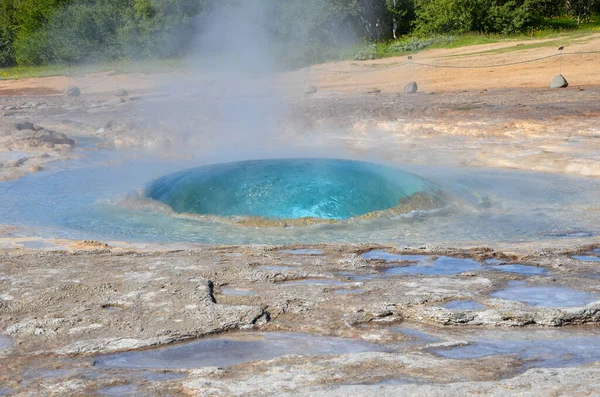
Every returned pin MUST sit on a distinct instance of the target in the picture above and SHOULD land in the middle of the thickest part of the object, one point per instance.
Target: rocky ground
(61, 311)
(61, 308)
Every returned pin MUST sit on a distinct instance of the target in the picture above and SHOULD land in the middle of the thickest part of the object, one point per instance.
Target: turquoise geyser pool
(98, 197)
(325, 189)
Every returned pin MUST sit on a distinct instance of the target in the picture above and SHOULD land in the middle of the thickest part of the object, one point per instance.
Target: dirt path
(580, 70)
(390, 74)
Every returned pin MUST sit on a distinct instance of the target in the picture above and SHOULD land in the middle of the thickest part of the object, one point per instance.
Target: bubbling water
(291, 189)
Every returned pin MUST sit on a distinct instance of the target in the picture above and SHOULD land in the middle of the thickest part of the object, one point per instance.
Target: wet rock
(13, 163)
(121, 93)
(43, 139)
(559, 82)
(73, 91)
(311, 90)
(411, 87)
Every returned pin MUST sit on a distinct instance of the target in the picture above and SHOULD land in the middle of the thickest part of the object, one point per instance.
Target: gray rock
(311, 89)
(28, 126)
(559, 82)
(373, 91)
(42, 139)
(411, 87)
(73, 91)
(121, 92)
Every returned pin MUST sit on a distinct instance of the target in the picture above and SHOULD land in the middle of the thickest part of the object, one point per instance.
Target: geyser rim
(141, 200)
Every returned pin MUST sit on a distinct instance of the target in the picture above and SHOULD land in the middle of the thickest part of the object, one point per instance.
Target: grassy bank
(120, 67)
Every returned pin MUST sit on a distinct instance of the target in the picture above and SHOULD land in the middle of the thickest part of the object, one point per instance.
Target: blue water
(544, 296)
(537, 348)
(287, 189)
(521, 269)
(388, 257)
(80, 199)
(443, 265)
(587, 258)
(225, 351)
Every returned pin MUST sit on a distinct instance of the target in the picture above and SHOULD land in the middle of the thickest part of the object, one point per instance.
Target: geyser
(292, 189)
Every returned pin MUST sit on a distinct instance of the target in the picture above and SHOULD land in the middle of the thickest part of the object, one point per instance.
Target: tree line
(35, 32)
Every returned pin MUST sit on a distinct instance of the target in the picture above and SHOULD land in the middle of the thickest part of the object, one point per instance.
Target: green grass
(117, 67)
(564, 30)
(561, 31)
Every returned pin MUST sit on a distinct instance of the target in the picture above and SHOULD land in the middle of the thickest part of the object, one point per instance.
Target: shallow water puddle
(443, 265)
(386, 256)
(537, 348)
(544, 296)
(230, 291)
(463, 305)
(521, 269)
(424, 264)
(236, 349)
(5, 343)
(586, 258)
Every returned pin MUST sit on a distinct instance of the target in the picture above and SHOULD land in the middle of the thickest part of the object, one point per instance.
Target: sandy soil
(389, 74)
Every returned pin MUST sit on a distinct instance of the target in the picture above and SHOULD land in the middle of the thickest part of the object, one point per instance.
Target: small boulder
(311, 89)
(73, 91)
(121, 92)
(411, 87)
(559, 82)
(373, 90)
(28, 126)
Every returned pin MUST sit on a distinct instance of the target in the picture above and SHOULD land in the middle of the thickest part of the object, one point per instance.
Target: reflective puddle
(423, 264)
(521, 269)
(230, 291)
(544, 296)
(535, 347)
(235, 349)
(443, 265)
(386, 256)
(587, 258)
